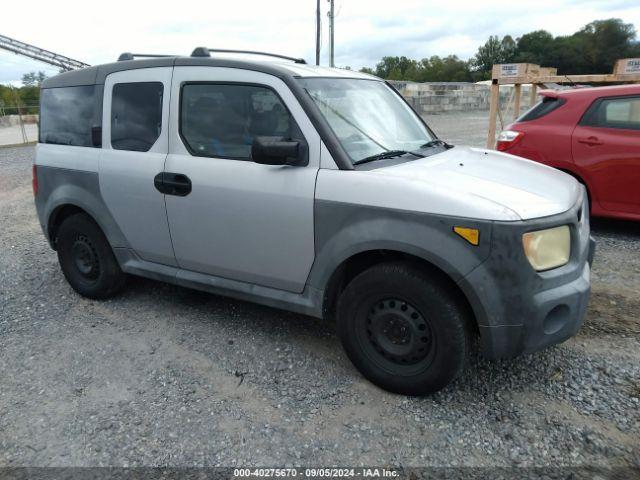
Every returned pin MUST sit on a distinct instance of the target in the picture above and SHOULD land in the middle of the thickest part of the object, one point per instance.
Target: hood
(526, 188)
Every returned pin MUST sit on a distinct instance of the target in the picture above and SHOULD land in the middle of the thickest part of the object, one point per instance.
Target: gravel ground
(162, 375)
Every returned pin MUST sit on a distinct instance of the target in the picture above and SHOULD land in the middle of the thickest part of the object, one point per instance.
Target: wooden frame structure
(626, 70)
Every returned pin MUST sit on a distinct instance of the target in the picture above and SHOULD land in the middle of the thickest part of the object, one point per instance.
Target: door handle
(170, 183)
(591, 141)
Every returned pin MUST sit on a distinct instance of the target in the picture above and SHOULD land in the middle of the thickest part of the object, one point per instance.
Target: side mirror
(278, 151)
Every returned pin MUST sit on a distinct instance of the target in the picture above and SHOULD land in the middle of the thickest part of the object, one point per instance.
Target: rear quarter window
(542, 108)
(66, 115)
(614, 112)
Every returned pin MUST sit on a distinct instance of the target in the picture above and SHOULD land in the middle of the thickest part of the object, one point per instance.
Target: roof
(98, 73)
(586, 92)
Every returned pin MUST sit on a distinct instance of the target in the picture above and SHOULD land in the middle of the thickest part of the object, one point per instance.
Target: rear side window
(221, 120)
(542, 108)
(66, 115)
(621, 112)
(136, 115)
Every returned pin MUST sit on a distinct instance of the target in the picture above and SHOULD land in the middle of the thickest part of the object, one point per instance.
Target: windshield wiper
(384, 155)
(436, 143)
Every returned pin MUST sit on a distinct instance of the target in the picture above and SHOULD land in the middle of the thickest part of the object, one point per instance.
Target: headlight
(546, 249)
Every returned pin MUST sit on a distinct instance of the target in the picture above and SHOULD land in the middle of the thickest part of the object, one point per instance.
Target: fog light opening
(556, 319)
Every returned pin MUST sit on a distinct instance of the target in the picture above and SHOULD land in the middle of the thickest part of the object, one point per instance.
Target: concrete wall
(430, 98)
(11, 120)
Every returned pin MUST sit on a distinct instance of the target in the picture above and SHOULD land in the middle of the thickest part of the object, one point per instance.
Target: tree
(603, 41)
(509, 48)
(396, 68)
(448, 69)
(33, 79)
(534, 47)
(494, 51)
(592, 49)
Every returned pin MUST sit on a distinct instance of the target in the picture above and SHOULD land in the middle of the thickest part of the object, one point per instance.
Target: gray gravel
(162, 375)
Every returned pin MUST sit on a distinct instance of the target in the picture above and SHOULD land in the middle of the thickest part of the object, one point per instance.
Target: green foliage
(396, 68)
(26, 97)
(33, 79)
(434, 69)
(533, 47)
(448, 69)
(592, 49)
(492, 52)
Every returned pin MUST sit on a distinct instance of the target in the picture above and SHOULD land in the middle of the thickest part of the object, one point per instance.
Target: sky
(366, 30)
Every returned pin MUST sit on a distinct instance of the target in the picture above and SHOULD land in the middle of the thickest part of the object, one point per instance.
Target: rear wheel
(404, 331)
(86, 258)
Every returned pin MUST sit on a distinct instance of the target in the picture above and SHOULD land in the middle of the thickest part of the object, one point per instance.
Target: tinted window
(136, 115)
(540, 109)
(66, 115)
(623, 112)
(221, 120)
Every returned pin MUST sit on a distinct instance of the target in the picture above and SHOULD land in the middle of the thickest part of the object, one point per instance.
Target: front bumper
(520, 310)
(553, 316)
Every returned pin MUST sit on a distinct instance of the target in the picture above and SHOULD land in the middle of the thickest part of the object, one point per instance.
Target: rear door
(606, 144)
(238, 219)
(134, 149)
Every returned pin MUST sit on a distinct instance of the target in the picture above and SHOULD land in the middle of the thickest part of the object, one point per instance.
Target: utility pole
(317, 32)
(331, 33)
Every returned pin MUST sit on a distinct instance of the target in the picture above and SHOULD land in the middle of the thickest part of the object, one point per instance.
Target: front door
(134, 148)
(606, 144)
(239, 220)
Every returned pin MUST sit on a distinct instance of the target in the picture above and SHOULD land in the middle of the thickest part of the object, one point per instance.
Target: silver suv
(314, 190)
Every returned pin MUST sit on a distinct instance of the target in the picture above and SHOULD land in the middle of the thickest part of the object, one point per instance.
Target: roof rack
(206, 52)
(132, 56)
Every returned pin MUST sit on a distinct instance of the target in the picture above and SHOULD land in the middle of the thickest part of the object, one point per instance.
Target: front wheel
(403, 330)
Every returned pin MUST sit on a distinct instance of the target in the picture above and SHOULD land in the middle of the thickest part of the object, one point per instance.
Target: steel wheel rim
(85, 258)
(396, 335)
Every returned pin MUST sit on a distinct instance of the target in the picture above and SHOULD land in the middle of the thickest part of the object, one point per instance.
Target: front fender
(343, 230)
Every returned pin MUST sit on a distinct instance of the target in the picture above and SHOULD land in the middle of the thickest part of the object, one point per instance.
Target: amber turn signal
(471, 235)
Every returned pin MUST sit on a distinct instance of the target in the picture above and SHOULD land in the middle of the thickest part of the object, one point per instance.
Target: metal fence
(18, 125)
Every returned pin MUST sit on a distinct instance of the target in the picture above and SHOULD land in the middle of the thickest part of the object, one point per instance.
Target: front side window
(66, 115)
(136, 115)
(621, 113)
(367, 116)
(221, 120)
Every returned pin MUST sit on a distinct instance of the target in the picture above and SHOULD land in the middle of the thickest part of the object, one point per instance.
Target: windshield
(367, 116)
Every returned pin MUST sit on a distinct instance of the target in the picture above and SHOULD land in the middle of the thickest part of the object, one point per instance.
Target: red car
(592, 134)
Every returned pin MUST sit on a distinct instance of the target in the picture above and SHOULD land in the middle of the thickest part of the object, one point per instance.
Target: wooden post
(494, 104)
(17, 100)
(533, 94)
(517, 91)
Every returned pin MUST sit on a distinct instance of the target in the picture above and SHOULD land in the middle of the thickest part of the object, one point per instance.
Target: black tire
(86, 258)
(404, 331)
